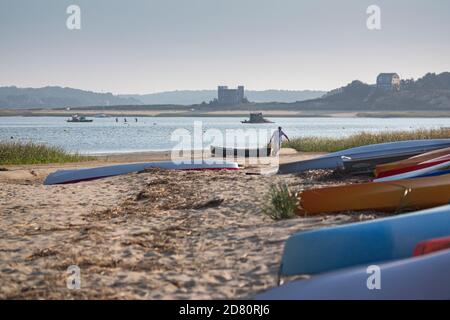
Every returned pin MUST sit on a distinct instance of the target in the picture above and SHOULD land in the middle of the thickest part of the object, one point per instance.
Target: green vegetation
(282, 203)
(316, 144)
(31, 153)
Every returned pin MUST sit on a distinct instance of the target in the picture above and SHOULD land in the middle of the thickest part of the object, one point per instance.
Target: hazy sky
(143, 46)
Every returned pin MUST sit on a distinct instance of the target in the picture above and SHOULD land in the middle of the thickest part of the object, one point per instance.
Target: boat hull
(381, 240)
(425, 277)
(391, 196)
(334, 160)
(237, 152)
(72, 176)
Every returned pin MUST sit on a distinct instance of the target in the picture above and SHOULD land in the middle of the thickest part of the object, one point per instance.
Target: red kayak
(422, 165)
(430, 246)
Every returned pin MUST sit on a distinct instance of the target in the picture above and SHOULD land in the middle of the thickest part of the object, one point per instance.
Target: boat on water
(417, 278)
(73, 176)
(77, 118)
(256, 118)
(362, 243)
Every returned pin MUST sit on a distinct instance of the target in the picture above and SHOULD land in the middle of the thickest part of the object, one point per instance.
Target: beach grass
(329, 144)
(14, 153)
(282, 203)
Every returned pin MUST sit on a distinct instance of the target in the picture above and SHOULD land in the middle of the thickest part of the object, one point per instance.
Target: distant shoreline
(233, 113)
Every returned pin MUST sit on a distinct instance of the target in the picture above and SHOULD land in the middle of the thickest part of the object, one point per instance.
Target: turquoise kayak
(393, 238)
(419, 278)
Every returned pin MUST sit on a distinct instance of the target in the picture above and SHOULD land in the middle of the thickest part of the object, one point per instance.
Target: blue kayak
(78, 175)
(424, 277)
(334, 160)
(393, 238)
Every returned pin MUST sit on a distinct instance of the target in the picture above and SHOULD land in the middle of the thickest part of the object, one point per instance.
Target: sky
(145, 46)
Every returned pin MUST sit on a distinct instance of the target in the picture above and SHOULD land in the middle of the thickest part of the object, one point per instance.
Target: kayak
(362, 243)
(410, 161)
(389, 196)
(360, 164)
(416, 173)
(73, 176)
(334, 160)
(421, 165)
(419, 278)
(430, 246)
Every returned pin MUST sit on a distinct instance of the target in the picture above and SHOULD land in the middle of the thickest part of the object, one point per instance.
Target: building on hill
(227, 96)
(389, 81)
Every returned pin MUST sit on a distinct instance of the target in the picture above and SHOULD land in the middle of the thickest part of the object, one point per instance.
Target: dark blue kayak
(393, 238)
(87, 174)
(424, 277)
(401, 149)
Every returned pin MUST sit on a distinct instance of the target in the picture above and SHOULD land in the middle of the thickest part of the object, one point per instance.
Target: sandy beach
(152, 235)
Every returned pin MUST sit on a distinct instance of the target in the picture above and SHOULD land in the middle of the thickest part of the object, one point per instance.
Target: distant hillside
(57, 97)
(432, 92)
(189, 97)
(51, 97)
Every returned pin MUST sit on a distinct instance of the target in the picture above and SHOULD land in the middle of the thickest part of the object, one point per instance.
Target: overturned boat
(419, 278)
(362, 243)
(385, 152)
(73, 176)
(389, 196)
(240, 152)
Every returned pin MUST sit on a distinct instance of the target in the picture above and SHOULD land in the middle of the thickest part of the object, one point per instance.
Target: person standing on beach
(276, 140)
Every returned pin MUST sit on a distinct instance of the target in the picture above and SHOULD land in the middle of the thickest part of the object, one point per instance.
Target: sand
(153, 235)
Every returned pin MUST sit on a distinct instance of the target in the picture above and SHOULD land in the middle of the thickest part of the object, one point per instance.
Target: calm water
(104, 135)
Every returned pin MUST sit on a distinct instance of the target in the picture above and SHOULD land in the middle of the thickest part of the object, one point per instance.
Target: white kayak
(73, 176)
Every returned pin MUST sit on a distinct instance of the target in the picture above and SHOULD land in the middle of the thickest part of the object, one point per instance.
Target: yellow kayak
(412, 194)
(410, 161)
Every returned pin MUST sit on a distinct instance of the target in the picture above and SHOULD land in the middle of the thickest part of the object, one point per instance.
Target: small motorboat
(257, 118)
(77, 118)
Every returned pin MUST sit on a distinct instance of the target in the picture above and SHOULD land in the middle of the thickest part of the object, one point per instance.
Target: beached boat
(334, 160)
(239, 152)
(391, 196)
(73, 176)
(425, 277)
(362, 243)
(362, 165)
(432, 245)
(416, 173)
(77, 118)
(410, 161)
(422, 165)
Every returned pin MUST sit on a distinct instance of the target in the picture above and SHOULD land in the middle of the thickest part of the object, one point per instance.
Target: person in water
(276, 140)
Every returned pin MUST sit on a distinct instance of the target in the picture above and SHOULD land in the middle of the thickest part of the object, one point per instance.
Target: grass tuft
(282, 203)
(14, 153)
(327, 144)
